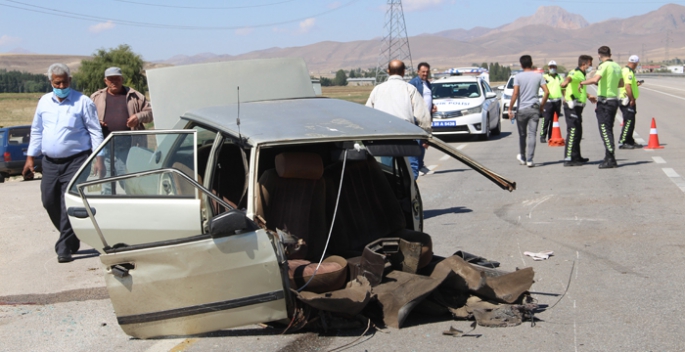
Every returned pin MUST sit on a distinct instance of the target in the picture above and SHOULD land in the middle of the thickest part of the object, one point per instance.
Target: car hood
(456, 104)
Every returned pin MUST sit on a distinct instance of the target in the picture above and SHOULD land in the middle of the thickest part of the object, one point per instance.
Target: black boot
(609, 162)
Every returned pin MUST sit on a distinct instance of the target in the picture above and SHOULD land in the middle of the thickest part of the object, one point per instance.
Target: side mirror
(490, 95)
(500, 87)
(230, 223)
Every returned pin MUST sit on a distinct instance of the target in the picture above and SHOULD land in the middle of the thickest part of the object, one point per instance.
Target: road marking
(659, 160)
(165, 345)
(658, 85)
(432, 168)
(445, 157)
(462, 146)
(575, 328)
(670, 95)
(675, 178)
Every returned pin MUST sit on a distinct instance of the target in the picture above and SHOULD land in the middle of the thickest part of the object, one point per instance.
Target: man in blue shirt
(425, 89)
(65, 131)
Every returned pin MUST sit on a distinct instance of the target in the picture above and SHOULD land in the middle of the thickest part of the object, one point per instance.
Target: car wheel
(498, 128)
(486, 135)
(418, 206)
(2, 178)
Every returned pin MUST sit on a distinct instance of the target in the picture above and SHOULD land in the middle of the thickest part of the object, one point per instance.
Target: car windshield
(510, 84)
(456, 90)
(19, 135)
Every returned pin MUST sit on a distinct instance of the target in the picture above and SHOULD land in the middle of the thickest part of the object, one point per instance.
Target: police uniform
(626, 140)
(573, 110)
(552, 106)
(607, 105)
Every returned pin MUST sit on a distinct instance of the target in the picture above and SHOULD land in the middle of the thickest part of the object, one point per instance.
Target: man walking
(608, 79)
(573, 110)
(553, 105)
(399, 98)
(65, 131)
(629, 94)
(120, 108)
(526, 86)
(425, 89)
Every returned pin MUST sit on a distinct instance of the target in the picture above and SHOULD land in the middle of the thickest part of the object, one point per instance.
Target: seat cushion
(331, 276)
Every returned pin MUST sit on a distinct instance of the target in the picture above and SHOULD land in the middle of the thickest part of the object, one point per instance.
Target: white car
(508, 91)
(466, 105)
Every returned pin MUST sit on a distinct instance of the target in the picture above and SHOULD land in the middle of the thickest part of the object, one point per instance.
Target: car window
(2, 139)
(19, 135)
(487, 87)
(510, 84)
(128, 153)
(456, 90)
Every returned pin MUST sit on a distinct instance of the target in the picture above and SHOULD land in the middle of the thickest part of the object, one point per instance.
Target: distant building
(361, 81)
(317, 86)
(676, 69)
(648, 68)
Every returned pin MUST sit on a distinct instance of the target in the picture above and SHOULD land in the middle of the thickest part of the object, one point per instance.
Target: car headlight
(506, 96)
(477, 110)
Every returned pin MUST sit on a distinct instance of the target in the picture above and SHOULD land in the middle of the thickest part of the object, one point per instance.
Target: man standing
(120, 108)
(553, 105)
(65, 131)
(526, 86)
(629, 94)
(573, 110)
(399, 98)
(608, 79)
(425, 89)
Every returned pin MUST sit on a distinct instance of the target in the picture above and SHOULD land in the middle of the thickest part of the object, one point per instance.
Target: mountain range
(551, 33)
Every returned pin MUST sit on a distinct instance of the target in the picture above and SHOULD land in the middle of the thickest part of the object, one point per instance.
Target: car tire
(420, 206)
(2, 178)
(486, 135)
(498, 128)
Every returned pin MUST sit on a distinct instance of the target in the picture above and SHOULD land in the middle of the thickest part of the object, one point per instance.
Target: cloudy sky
(159, 29)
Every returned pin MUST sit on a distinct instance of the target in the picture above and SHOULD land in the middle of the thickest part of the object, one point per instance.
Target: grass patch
(18, 108)
(355, 94)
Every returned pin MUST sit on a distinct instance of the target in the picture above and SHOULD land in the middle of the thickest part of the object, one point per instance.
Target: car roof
(304, 120)
(458, 79)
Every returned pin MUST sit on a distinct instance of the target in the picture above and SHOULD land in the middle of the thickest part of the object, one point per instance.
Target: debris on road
(539, 255)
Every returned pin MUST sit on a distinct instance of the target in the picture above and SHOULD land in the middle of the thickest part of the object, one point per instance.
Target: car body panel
(14, 143)
(175, 90)
(453, 116)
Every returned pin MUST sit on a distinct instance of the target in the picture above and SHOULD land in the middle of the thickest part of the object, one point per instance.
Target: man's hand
(424, 145)
(592, 99)
(632, 102)
(434, 109)
(27, 173)
(132, 121)
(99, 167)
(103, 123)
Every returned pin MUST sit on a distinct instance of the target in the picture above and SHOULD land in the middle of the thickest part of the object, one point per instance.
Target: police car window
(456, 90)
(510, 84)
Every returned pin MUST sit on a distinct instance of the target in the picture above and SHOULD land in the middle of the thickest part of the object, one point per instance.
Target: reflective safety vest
(554, 86)
(572, 92)
(610, 71)
(629, 78)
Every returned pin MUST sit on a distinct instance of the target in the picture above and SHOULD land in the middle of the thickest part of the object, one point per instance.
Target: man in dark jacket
(425, 89)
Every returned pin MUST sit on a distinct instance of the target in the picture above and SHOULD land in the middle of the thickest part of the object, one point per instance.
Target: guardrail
(660, 74)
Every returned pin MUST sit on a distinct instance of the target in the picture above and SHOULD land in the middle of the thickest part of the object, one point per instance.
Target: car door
(167, 271)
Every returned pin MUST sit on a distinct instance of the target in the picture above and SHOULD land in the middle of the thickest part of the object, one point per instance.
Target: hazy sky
(159, 29)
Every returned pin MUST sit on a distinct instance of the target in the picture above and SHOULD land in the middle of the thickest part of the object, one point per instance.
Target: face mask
(552, 70)
(61, 93)
(588, 69)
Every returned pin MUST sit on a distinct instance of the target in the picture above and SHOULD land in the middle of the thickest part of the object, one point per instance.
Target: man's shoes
(530, 164)
(423, 170)
(573, 163)
(543, 140)
(637, 145)
(626, 146)
(584, 160)
(608, 164)
(520, 159)
(64, 258)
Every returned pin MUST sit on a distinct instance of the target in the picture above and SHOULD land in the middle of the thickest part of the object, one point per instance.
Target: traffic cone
(556, 140)
(653, 137)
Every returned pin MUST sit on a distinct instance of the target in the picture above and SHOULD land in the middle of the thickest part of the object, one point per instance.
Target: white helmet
(552, 63)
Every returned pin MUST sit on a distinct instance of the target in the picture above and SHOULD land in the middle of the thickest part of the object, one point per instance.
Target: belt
(605, 98)
(67, 159)
(553, 100)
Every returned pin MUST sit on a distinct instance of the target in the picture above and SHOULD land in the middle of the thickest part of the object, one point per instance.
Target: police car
(466, 105)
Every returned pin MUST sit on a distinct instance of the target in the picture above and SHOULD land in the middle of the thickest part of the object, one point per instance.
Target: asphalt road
(616, 233)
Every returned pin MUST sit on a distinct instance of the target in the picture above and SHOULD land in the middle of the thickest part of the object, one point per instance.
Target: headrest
(308, 166)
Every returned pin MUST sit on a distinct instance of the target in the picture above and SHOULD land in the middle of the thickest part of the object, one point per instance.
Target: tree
(340, 78)
(90, 77)
(325, 82)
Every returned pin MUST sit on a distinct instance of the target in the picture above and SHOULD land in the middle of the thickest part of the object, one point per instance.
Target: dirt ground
(18, 108)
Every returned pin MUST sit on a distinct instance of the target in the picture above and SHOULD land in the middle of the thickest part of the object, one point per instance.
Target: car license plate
(444, 123)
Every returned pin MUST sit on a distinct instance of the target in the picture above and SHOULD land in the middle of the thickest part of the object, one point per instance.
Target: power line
(83, 17)
(204, 8)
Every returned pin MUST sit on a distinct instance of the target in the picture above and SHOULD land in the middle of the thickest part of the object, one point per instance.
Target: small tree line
(23, 82)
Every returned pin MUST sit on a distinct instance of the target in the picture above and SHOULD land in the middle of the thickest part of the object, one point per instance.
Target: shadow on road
(86, 253)
(427, 214)
(635, 163)
(447, 171)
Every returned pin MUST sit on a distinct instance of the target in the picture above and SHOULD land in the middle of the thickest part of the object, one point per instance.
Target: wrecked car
(256, 204)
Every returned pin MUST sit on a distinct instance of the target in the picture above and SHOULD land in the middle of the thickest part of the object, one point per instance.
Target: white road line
(165, 345)
(445, 157)
(462, 146)
(659, 160)
(670, 95)
(658, 85)
(679, 181)
(575, 328)
(432, 168)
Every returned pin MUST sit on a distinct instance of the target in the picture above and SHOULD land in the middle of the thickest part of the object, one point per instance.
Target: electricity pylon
(395, 44)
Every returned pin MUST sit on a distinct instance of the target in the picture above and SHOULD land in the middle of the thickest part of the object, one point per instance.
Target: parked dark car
(14, 141)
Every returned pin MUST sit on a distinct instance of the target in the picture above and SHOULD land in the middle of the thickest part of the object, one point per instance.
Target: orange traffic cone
(556, 140)
(653, 137)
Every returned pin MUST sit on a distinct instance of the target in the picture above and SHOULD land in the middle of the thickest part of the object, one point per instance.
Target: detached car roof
(307, 119)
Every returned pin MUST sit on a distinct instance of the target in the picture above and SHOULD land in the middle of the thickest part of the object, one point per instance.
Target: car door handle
(121, 270)
(79, 212)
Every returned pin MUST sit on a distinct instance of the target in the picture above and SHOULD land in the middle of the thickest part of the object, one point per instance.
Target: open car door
(167, 273)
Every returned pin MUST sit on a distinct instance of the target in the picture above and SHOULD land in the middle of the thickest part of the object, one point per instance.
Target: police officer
(553, 104)
(628, 95)
(608, 79)
(573, 110)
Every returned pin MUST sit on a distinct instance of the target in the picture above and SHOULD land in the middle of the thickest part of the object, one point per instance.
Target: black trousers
(547, 122)
(574, 132)
(606, 113)
(628, 124)
(56, 176)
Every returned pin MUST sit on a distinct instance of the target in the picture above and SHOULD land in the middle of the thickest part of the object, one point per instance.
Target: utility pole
(395, 43)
